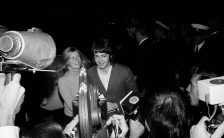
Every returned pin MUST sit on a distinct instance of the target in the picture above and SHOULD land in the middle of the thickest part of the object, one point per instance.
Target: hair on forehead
(102, 45)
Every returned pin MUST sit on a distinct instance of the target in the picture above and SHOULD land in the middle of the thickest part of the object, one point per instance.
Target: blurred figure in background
(140, 31)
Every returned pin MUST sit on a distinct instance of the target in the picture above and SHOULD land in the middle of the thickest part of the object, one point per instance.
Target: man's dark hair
(166, 113)
(103, 45)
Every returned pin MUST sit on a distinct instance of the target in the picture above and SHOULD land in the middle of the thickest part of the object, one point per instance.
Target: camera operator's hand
(121, 124)
(136, 128)
(11, 98)
(199, 130)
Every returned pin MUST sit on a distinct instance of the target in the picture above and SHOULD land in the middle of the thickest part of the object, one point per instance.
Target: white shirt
(105, 77)
(198, 47)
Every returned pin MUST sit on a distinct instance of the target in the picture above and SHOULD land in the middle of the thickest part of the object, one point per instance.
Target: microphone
(33, 48)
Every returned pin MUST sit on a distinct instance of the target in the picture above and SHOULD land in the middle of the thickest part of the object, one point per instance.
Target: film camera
(26, 50)
(211, 91)
(130, 104)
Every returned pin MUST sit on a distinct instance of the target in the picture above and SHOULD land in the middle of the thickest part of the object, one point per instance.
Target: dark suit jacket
(210, 55)
(121, 82)
(142, 63)
(154, 65)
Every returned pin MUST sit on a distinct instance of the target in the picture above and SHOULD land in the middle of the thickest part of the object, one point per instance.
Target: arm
(65, 92)
(11, 99)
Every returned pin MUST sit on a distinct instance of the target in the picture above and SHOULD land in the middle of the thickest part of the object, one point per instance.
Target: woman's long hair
(85, 62)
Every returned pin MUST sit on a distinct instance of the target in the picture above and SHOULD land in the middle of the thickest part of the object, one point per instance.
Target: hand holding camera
(201, 129)
(119, 125)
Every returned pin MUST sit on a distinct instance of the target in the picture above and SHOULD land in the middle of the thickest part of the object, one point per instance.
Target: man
(139, 31)
(151, 64)
(113, 80)
(201, 50)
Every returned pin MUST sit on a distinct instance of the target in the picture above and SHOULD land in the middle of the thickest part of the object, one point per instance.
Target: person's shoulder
(63, 78)
(122, 66)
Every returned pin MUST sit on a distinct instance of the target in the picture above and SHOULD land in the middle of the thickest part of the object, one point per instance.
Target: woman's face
(75, 60)
(193, 90)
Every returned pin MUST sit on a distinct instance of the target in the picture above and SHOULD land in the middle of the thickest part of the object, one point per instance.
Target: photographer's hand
(136, 128)
(199, 130)
(121, 124)
(11, 98)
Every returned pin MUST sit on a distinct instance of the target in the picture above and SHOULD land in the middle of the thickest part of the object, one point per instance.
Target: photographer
(198, 107)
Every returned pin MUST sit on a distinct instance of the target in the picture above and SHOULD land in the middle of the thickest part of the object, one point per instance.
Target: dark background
(73, 23)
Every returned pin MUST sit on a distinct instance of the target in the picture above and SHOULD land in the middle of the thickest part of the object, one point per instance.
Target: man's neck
(105, 70)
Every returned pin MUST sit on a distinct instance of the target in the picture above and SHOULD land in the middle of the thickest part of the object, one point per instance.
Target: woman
(68, 80)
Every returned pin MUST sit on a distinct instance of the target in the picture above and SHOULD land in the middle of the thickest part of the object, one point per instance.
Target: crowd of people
(163, 67)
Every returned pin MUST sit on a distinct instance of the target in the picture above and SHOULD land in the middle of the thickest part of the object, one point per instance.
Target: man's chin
(101, 67)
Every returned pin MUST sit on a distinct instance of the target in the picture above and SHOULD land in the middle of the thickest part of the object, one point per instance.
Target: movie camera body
(27, 50)
(211, 91)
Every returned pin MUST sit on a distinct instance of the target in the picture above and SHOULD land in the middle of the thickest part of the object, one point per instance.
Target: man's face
(102, 60)
(193, 90)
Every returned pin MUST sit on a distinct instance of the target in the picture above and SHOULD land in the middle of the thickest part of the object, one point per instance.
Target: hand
(199, 130)
(121, 124)
(136, 129)
(11, 98)
(71, 128)
(111, 106)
